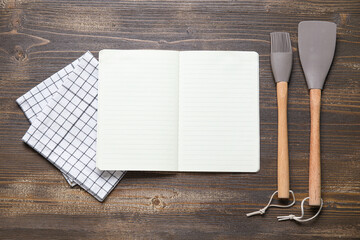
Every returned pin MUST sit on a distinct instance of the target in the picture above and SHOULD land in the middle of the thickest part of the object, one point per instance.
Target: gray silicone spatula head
(316, 49)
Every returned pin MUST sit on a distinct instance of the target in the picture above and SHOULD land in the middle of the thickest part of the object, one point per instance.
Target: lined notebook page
(138, 110)
(219, 111)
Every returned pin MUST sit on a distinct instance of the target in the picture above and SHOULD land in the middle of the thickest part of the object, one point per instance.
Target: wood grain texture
(315, 154)
(39, 37)
(283, 147)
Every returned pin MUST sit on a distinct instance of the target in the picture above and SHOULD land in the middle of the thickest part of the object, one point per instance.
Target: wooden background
(38, 37)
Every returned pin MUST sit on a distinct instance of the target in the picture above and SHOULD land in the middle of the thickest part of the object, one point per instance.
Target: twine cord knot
(263, 210)
(300, 218)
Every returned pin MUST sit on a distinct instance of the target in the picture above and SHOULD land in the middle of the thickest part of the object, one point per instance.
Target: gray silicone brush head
(317, 40)
(281, 56)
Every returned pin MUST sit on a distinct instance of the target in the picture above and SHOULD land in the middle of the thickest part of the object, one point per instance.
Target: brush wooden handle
(314, 164)
(283, 152)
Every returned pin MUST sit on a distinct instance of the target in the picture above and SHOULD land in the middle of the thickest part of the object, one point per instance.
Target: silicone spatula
(316, 42)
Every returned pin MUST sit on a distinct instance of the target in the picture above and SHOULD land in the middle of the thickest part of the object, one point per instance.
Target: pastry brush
(281, 63)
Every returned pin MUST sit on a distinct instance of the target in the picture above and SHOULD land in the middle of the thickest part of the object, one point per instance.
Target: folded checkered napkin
(33, 102)
(64, 132)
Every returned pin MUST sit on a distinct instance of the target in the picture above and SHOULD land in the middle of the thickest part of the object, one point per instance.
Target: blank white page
(138, 110)
(219, 111)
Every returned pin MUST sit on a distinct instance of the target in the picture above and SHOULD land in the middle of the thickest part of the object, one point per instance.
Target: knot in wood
(19, 53)
(156, 201)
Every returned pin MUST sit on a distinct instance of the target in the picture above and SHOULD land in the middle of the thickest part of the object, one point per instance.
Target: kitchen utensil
(281, 63)
(316, 42)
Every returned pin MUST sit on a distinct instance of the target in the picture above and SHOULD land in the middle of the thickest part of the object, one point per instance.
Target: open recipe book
(178, 111)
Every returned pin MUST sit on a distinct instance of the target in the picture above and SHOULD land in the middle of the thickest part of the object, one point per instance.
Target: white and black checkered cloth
(38, 97)
(64, 129)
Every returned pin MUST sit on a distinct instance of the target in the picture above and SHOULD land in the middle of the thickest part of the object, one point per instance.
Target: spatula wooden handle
(283, 152)
(314, 164)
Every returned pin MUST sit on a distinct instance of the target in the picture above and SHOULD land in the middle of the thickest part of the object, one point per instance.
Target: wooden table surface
(37, 38)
